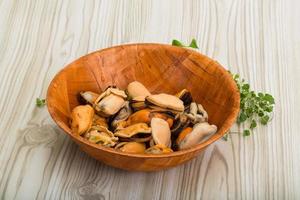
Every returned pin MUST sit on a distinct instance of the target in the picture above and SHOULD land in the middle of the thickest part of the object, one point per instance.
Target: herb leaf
(246, 132)
(193, 44)
(40, 102)
(265, 119)
(253, 106)
(177, 43)
(253, 124)
(225, 137)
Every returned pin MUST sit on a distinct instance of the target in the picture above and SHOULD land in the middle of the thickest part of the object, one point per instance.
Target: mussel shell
(122, 115)
(87, 97)
(185, 96)
(181, 122)
(109, 105)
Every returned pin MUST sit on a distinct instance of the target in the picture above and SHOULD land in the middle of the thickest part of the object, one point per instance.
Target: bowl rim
(220, 133)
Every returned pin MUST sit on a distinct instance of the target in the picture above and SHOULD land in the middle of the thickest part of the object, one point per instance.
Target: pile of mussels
(136, 121)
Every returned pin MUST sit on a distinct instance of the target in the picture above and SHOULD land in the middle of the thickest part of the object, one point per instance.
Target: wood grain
(258, 39)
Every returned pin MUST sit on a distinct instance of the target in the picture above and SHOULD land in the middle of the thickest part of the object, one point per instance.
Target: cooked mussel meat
(200, 131)
(165, 102)
(81, 119)
(110, 101)
(131, 147)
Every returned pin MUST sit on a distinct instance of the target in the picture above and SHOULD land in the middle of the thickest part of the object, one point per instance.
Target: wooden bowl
(161, 68)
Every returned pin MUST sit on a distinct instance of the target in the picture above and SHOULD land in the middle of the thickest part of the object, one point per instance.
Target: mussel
(88, 97)
(161, 133)
(81, 119)
(165, 102)
(110, 101)
(131, 147)
(197, 113)
(200, 131)
(136, 121)
(136, 89)
(145, 116)
(185, 96)
(133, 130)
(119, 120)
(104, 137)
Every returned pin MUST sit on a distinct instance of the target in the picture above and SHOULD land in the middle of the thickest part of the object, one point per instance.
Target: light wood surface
(160, 68)
(258, 39)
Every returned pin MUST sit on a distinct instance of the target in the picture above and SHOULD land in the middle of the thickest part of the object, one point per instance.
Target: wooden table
(258, 39)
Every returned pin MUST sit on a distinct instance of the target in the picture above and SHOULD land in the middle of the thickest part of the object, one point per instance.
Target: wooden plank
(258, 39)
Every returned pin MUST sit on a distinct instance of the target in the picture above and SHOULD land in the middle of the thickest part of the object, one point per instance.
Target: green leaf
(177, 43)
(193, 44)
(265, 119)
(225, 137)
(246, 132)
(269, 98)
(269, 109)
(243, 117)
(236, 76)
(261, 113)
(40, 102)
(253, 124)
(246, 87)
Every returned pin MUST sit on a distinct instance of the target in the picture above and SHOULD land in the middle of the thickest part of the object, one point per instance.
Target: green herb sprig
(40, 102)
(193, 44)
(254, 107)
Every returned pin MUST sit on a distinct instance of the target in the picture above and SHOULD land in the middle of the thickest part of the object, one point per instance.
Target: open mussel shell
(180, 123)
(87, 97)
(119, 121)
(196, 113)
(185, 96)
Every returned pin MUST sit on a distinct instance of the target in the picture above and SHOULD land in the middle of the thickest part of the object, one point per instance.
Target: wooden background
(258, 39)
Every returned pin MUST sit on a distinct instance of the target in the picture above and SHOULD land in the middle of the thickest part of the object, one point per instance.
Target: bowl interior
(161, 68)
